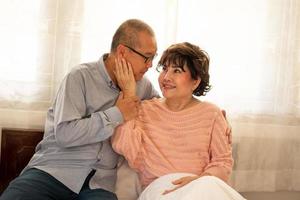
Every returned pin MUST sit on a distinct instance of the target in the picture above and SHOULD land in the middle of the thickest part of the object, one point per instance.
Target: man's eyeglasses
(147, 58)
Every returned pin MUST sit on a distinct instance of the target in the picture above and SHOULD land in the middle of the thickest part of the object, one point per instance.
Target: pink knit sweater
(160, 141)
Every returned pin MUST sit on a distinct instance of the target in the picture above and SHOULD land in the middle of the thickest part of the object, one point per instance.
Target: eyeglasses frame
(147, 58)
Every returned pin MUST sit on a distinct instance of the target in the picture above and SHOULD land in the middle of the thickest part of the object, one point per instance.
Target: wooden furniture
(17, 147)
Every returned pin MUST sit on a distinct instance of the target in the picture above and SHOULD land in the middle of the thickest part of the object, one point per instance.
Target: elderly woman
(179, 146)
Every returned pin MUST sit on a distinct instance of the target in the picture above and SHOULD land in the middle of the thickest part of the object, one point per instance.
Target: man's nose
(149, 64)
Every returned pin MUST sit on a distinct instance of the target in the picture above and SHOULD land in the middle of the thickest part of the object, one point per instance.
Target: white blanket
(204, 188)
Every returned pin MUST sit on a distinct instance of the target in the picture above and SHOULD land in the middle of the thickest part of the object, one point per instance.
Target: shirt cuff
(113, 115)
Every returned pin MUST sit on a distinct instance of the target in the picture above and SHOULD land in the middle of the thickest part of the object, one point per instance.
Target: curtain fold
(40, 42)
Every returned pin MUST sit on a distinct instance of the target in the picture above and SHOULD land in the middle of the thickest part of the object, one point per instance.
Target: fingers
(118, 69)
(129, 100)
(125, 77)
(178, 181)
(224, 113)
(134, 99)
(128, 106)
(123, 68)
(130, 71)
(171, 190)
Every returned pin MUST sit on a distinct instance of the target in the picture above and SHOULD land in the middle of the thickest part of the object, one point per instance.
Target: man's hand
(128, 106)
(125, 77)
(180, 183)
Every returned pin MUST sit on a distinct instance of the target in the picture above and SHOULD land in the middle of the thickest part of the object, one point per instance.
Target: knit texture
(194, 140)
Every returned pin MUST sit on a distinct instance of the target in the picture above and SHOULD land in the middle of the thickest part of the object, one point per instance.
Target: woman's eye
(177, 70)
(164, 68)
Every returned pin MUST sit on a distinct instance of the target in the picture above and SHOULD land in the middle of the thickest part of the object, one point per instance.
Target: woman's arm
(128, 136)
(221, 161)
(127, 141)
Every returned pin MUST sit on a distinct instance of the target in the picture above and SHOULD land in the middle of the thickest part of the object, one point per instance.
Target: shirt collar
(104, 72)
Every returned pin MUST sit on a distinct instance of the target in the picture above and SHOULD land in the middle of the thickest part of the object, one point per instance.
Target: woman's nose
(167, 74)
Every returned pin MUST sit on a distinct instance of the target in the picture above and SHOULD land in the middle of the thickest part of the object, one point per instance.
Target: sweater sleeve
(127, 141)
(221, 161)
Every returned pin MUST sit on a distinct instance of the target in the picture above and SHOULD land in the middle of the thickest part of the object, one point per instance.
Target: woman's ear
(196, 83)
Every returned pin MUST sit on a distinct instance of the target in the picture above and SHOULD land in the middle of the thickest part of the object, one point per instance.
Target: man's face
(141, 57)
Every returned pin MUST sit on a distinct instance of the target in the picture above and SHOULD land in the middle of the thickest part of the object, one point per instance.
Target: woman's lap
(204, 188)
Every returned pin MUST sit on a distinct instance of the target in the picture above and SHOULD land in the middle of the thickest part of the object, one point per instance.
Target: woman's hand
(180, 183)
(125, 78)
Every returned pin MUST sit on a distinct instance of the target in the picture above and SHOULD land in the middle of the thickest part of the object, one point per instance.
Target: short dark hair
(196, 59)
(127, 33)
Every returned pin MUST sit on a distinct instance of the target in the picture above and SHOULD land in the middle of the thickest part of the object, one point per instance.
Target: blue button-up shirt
(79, 125)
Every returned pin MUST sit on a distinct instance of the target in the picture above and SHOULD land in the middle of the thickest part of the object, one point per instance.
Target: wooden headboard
(17, 147)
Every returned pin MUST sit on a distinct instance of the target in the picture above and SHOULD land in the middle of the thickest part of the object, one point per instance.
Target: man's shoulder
(83, 67)
(82, 70)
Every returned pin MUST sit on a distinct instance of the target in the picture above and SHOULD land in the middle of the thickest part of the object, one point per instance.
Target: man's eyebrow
(149, 53)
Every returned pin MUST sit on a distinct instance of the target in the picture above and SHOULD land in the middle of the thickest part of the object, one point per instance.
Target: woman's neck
(178, 105)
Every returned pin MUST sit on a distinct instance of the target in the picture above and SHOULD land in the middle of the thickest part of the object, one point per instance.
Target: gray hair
(127, 33)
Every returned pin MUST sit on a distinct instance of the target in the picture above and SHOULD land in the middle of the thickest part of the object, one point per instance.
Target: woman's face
(176, 82)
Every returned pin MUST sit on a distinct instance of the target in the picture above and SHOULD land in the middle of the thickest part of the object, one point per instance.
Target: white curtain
(254, 47)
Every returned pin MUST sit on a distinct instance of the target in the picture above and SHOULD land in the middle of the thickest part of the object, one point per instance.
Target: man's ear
(121, 51)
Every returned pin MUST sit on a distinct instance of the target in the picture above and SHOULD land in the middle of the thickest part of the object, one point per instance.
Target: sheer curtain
(255, 67)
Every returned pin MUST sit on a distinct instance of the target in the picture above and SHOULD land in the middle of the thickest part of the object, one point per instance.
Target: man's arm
(71, 125)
